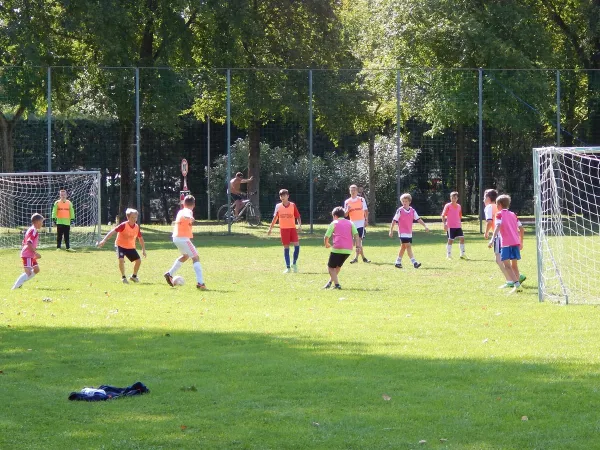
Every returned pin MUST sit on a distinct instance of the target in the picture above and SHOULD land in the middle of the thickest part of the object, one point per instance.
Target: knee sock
(22, 279)
(449, 249)
(286, 256)
(296, 253)
(175, 268)
(198, 270)
(462, 249)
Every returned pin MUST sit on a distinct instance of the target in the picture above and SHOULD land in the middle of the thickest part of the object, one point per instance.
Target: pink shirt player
(453, 214)
(405, 218)
(33, 237)
(508, 224)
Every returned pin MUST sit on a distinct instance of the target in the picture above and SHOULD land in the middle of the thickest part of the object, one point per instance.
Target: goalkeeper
(63, 213)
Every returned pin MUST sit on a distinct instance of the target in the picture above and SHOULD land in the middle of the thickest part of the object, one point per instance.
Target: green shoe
(522, 278)
(507, 285)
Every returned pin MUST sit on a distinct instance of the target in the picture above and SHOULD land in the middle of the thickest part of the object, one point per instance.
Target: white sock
(398, 260)
(22, 279)
(175, 268)
(462, 249)
(449, 249)
(413, 260)
(198, 270)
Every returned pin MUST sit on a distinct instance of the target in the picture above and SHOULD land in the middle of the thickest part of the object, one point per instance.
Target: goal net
(567, 215)
(23, 194)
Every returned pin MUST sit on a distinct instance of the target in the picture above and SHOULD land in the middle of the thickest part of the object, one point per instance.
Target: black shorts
(406, 240)
(362, 232)
(453, 233)
(237, 197)
(337, 259)
(130, 253)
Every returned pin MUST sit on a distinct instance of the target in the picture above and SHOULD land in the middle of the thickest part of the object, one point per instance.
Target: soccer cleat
(353, 261)
(201, 286)
(71, 250)
(398, 265)
(169, 279)
(328, 285)
(124, 280)
(463, 256)
(295, 268)
(287, 270)
(522, 278)
(416, 265)
(134, 278)
(337, 286)
(506, 285)
(365, 260)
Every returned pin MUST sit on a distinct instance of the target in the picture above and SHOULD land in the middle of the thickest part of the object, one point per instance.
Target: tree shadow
(245, 390)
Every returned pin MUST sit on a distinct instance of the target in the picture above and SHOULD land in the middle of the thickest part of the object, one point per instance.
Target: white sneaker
(295, 268)
(124, 280)
(288, 270)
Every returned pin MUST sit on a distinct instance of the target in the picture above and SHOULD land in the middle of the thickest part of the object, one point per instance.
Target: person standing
(287, 214)
(63, 213)
(358, 213)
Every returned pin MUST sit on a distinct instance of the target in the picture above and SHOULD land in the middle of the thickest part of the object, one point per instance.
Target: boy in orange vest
(358, 213)
(127, 233)
(63, 213)
(287, 214)
(182, 238)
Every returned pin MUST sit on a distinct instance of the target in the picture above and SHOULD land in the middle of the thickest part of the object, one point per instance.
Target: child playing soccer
(287, 214)
(182, 238)
(490, 211)
(344, 232)
(511, 233)
(127, 233)
(63, 213)
(29, 253)
(404, 217)
(357, 211)
(451, 216)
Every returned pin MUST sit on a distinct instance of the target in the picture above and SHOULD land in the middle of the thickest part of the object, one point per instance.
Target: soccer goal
(23, 194)
(567, 217)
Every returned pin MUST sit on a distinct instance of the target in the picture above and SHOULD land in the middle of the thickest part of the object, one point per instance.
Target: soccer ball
(178, 281)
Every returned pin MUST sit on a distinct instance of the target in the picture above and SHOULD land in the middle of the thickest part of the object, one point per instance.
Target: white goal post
(23, 194)
(567, 219)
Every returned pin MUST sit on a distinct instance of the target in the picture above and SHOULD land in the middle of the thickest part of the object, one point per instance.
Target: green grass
(267, 361)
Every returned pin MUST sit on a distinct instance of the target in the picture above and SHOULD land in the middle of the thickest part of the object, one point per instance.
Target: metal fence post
(228, 149)
(558, 108)
(480, 113)
(208, 165)
(49, 117)
(310, 148)
(398, 136)
(138, 194)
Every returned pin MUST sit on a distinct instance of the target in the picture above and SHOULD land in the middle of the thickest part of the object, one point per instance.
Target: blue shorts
(510, 253)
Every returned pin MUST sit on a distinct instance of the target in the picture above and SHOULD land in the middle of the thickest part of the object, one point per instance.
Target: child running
(511, 233)
(404, 217)
(344, 232)
(490, 211)
(451, 218)
(357, 211)
(182, 238)
(287, 214)
(29, 253)
(127, 232)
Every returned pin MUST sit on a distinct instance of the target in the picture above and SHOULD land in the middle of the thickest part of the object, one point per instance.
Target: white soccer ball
(178, 281)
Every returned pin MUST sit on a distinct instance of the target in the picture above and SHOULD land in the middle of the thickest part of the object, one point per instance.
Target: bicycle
(249, 211)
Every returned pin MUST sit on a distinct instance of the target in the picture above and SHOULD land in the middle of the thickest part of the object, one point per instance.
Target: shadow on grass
(243, 390)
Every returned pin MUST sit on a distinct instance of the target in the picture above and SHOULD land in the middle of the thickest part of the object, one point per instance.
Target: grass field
(271, 361)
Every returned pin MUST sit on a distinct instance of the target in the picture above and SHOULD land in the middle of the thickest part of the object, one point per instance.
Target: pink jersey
(405, 219)
(508, 224)
(32, 236)
(342, 234)
(453, 215)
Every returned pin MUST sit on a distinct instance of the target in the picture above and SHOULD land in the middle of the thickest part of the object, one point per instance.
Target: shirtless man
(236, 194)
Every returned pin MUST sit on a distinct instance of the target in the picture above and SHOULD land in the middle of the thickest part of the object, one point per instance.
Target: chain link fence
(314, 132)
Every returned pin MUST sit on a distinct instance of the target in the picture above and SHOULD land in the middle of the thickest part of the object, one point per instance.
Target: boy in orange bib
(127, 232)
(287, 214)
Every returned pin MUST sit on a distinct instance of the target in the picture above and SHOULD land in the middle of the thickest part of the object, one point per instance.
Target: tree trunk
(460, 164)
(372, 179)
(126, 197)
(7, 151)
(254, 162)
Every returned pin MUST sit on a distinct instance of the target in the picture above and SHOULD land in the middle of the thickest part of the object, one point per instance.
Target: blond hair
(130, 211)
(407, 196)
(453, 194)
(503, 201)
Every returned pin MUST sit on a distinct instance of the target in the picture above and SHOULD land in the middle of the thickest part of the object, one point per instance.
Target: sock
(198, 270)
(398, 260)
(449, 249)
(517, 284)
(22, 279)
(462, 249)
(296, 253)
(175, 268)
(31, 276)
(413, 260)
(123, 276)
(286, 256)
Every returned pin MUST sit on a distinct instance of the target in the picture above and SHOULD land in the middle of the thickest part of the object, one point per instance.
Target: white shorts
(497, 245)
(185, 247)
